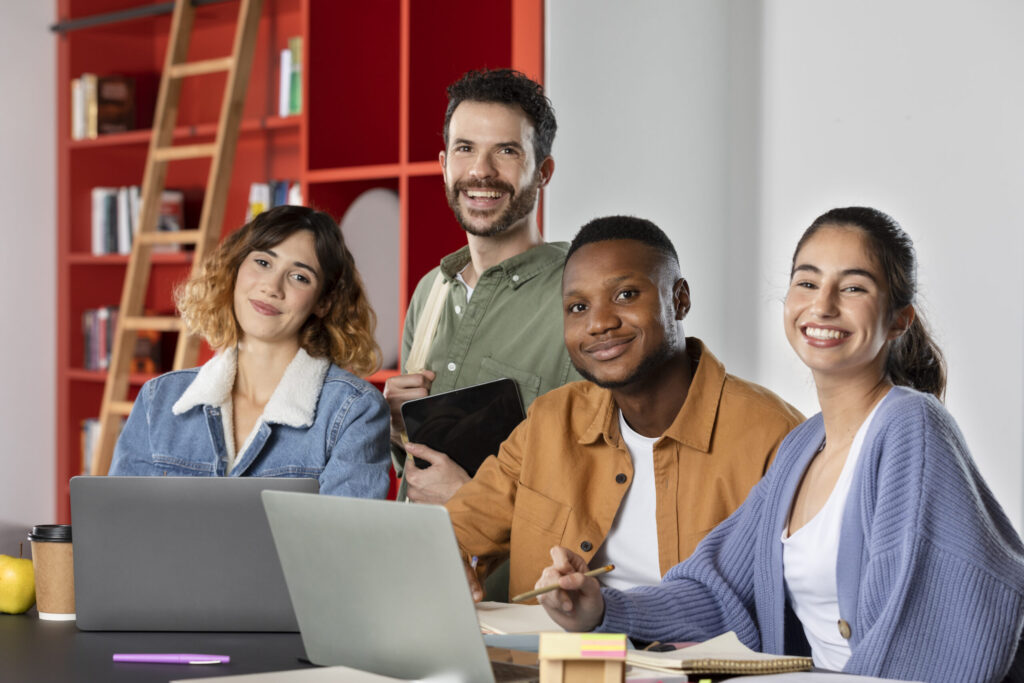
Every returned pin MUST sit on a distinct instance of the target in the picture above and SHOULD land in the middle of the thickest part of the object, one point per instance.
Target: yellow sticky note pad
(582, 646)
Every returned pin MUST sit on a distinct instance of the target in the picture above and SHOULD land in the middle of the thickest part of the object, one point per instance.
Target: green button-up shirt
(510, 327)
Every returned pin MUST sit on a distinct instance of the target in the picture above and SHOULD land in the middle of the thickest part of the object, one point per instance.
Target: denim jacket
(321, 422)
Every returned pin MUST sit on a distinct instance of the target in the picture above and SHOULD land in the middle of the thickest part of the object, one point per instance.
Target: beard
(519, 207)
(650, 363)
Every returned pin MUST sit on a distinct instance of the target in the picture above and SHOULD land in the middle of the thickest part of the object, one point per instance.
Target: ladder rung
(121, 407)
(207, 66)
(160, 323)
(180, 152)
(169, 237)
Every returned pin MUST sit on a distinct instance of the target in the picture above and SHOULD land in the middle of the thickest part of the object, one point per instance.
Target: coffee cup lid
(52, 533)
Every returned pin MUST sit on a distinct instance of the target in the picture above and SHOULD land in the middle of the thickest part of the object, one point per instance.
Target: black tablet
(466, 424)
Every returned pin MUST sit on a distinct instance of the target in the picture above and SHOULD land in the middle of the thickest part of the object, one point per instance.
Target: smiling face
(621, 304)
(276, 290)
(491, 176)
(836, 315)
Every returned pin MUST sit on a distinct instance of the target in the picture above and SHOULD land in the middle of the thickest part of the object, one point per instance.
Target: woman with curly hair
(283, 305)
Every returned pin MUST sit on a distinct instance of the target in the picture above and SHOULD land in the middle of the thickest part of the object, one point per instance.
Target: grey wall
(27, 264)
(733, 123)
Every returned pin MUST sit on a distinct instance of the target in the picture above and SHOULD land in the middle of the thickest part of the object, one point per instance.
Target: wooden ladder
(221, 152)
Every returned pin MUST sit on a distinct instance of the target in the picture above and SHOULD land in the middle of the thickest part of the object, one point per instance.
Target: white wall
(732, 124)
(27, 264)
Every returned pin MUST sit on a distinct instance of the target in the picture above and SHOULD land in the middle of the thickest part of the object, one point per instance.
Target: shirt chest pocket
(527, 382)
(536, 514)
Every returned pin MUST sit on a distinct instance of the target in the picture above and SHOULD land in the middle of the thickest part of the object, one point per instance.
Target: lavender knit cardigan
(930, 573)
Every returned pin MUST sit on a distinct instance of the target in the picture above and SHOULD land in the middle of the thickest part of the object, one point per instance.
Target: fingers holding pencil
(569, 592)
(542, 589)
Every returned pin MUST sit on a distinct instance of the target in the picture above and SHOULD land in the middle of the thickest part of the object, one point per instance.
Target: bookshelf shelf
(198, 131)
(100, 376)
(374, 77)
(171, 258)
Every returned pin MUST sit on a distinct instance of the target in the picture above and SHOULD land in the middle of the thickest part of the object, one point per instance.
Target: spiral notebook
(723, 654)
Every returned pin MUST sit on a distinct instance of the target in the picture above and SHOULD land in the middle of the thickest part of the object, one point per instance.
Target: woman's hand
(578, 604)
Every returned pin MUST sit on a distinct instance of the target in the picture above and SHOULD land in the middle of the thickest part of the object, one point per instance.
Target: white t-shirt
(809, 566)
(632, 543)
(469, 290)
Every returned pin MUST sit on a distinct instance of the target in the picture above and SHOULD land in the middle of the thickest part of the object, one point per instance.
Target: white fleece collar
(293, 402)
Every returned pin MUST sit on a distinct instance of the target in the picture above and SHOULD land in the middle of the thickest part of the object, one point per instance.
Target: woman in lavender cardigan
(872, 543)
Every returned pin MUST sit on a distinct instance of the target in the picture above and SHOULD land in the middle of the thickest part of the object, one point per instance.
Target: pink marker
(172, 658)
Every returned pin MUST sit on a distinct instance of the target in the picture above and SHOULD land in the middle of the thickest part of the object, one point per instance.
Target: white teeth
(821, 333)
(482, 194)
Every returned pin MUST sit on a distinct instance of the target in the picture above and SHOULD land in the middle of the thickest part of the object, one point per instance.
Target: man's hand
(434, 484)
(578, 605)
(402, 388)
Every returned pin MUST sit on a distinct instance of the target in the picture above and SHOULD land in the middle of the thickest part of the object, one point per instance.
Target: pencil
(554, 586)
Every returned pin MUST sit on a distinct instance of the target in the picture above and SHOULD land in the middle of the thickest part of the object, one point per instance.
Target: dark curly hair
(507, 86)
(915, 360)
(344, 334)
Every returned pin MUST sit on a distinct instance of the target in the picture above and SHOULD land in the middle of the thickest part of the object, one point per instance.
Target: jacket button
(621, 478)
(844, 629)
(586, 546)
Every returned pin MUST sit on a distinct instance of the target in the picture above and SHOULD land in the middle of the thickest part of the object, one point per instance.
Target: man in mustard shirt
(635, 465)
(501, 314)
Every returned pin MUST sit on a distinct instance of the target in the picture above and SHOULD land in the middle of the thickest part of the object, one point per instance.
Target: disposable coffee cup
(55, 571)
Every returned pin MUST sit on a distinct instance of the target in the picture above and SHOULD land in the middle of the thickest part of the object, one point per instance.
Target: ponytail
(916, 361)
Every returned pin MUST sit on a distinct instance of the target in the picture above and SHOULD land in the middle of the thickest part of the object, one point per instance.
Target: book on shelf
(78, 112)
(104, 220)
(115, 218)
(101, 105)
(98, 330)
(90, 438)
(263, 196)
(284, 85)
(172, 217)
(98, 325)
(289, 84)
(295, 84)
(723, 654)
(125, 222)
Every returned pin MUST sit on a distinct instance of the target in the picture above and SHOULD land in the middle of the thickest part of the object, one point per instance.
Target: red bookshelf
(374, 75)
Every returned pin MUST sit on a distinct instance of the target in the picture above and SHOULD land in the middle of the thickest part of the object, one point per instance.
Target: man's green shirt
(511, 326)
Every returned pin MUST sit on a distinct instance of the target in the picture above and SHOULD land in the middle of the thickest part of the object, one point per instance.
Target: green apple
(17, 584)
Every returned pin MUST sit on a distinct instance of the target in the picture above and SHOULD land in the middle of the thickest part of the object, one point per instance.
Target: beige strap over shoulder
(426, 326)
(422, 339)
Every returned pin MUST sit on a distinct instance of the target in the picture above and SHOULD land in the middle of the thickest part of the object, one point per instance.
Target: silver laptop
(379, 586)
(178, 554)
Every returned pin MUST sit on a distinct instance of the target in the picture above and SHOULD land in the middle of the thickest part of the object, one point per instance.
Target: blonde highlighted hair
(344, 334)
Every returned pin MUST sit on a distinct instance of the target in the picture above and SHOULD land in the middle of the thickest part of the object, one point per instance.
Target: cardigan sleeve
(939, 595)
(709, 593)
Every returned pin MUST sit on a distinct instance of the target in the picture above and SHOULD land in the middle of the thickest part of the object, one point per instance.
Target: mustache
(485, 184)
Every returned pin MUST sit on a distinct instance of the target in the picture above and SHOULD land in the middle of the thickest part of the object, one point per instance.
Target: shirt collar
(518, 269)
(695, 421)
(293, 402)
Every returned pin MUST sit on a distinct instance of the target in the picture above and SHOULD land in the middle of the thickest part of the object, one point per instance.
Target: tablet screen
(466, 424)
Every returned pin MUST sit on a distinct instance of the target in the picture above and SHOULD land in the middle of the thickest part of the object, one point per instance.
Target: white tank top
(809, 566)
